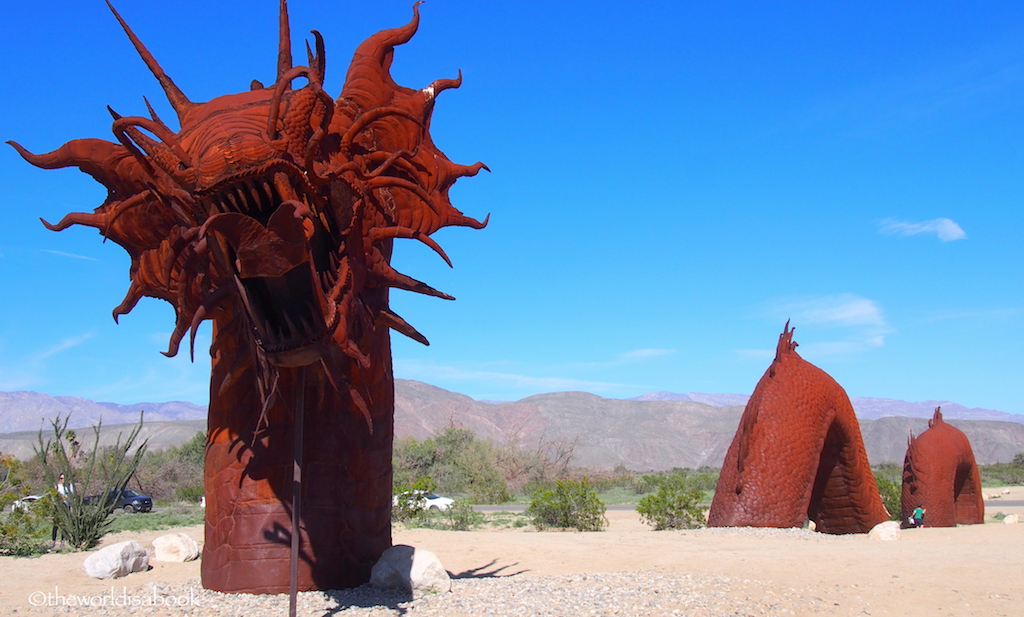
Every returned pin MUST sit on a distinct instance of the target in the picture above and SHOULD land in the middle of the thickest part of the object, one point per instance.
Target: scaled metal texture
(797, 455)
(272, 213)
(940, 475)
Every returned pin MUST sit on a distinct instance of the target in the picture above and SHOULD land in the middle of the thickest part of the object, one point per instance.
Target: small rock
(1006, 491)
(410, 569)
(887, 531)
(1011, 519)
(117, 560)
(176, 547)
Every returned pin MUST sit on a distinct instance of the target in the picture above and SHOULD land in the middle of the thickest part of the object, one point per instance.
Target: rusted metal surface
(797, 455)
(272, 213)
(941, 476)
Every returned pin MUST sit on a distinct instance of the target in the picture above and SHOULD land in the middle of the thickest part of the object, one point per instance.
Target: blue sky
(671, 182)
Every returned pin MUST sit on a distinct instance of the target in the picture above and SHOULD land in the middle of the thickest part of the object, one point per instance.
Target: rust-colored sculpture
(797, 454)
(273, 212)
(940, 475)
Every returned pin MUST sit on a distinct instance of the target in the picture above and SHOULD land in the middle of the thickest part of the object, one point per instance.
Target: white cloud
(945, 229)
(859, 323)
(840, 310)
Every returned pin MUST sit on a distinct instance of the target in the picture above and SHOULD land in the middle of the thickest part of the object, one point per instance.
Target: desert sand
(973, 570)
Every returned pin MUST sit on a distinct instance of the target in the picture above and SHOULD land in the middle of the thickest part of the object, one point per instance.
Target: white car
(430, 501)
(24, 503)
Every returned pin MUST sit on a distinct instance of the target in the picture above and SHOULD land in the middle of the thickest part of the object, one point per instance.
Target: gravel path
(623, 593)
(575, 595)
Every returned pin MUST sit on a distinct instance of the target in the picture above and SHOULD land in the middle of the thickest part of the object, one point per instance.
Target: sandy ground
(973, 570)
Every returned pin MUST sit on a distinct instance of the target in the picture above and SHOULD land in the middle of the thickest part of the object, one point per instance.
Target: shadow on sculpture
(797, 455)
(941, 476)
(272, 213)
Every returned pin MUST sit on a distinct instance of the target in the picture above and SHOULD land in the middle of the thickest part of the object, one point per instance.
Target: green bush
(26, 532)
(568, 504)
(175, 473)
(890, 486)
(1001, 474)
(460, 464)
(675, 505)
(410, 499)
(190, 493)
(462, 517)
(702, 479)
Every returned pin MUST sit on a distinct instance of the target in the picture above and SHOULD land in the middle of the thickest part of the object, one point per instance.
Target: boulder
(176, 547)
(1011, 519)
(117, 560)
(410, 569)
(887, 531)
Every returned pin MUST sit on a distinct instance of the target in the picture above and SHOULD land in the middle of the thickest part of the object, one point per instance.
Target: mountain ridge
(642, 435)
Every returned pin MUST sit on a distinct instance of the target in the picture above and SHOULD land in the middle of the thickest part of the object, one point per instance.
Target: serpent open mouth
(287, 269)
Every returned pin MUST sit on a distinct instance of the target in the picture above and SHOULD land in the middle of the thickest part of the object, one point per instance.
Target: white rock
(1006, 491)
(1011, 519)
(413, 570)
(175, 547)
(887, 531)
(117, 560)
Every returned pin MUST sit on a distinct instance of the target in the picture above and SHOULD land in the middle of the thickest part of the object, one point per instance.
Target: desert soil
(975, 570)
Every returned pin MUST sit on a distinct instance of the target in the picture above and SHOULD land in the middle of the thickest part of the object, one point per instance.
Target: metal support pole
(296, 492)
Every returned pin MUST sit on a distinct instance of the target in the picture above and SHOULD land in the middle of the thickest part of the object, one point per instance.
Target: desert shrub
(889, 479)
(703, 480)
(97, 471)
(410, 499)
(26, 532)
(459, 517)
(999, 474)
(568, 504)
(529, 466)
(462, 517)
(674, 505)
(12, 479)
(460, 464)
(175, 473)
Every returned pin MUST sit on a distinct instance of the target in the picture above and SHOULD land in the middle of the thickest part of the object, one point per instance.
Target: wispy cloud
(67, 343)
(412, 369)
(840, 310)
(978, 315)
(858, 322)
(946, 229)
(643, 354)
(63, 254)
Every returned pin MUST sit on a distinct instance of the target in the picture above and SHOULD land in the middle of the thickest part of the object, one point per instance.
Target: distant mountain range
(28, 411)
(866, 408)
(653, 432)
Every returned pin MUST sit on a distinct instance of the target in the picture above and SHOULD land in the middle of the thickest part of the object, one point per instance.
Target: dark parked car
(128, 500)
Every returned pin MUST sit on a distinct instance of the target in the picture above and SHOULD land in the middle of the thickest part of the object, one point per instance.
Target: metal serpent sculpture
(272, 213)
(797, 455)
(941, 476)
